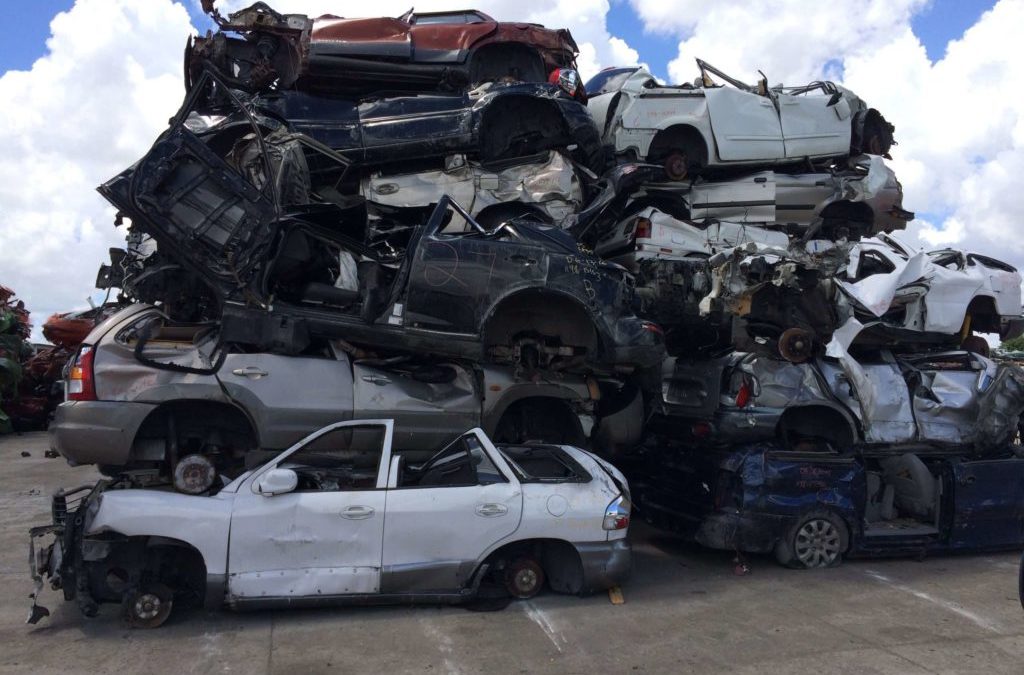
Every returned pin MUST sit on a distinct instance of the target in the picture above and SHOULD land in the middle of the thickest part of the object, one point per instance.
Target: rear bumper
(97, 432)
(605, 563)
(757, 533)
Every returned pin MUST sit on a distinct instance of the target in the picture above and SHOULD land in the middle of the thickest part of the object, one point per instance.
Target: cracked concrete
(684, 611)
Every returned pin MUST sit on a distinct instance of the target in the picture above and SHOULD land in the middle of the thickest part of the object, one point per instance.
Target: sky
(87, 85)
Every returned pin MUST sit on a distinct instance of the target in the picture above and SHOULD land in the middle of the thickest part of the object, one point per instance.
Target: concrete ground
(685, 611)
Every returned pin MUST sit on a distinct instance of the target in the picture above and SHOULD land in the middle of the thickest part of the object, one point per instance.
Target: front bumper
(753, 533)
(97, 432)
(605, 563)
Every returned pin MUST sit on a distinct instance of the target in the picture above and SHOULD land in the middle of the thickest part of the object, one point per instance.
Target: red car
(438, 50)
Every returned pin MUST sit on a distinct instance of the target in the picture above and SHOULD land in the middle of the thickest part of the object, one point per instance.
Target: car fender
(201, 522)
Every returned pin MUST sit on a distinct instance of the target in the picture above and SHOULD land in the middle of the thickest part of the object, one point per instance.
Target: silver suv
(165, 400)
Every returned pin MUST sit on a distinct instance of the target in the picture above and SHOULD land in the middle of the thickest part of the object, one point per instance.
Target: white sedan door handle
(250, 371)
(357, 512)
(491, 510)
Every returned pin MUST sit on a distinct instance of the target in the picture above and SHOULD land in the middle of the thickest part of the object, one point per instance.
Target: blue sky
(939, 23)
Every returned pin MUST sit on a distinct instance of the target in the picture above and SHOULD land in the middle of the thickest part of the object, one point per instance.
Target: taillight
(81, 385)
(643, 229)
(616, 516)
(743, 395)
(652, 327)
(570, 82)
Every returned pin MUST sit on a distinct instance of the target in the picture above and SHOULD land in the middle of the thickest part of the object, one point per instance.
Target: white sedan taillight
(80, 385)
(616, 516)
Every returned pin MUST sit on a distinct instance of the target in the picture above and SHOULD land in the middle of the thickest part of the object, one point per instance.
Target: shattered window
(344, 459)
(464, 462)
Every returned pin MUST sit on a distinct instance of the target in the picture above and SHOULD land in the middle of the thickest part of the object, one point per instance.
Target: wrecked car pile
(15, 331)
(430, 221)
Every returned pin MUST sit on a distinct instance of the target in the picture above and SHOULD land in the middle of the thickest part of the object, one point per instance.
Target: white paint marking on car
(444, 645)
(979, 621)
(541, 618)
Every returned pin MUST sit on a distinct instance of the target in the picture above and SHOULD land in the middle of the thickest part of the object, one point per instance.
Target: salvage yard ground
(685, 611)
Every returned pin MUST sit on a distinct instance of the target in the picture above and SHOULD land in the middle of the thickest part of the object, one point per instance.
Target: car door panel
(427, 414)
(312, 543)
(988, 503)
(812, 128)
(746, 126)
(266, 385)
(746, 200)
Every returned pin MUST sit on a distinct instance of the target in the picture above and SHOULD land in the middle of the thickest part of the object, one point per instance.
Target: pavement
(684, 611)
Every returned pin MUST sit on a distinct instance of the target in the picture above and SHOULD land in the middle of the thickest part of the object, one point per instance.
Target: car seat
(914, 485)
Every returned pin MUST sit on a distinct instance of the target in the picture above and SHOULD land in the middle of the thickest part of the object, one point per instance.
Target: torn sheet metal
(551, 184)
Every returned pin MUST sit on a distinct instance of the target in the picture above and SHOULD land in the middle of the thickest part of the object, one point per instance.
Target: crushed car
(344, 516)
(812, 508)
(709, 126)
(451, 50)
(283, 261)
(950, 400)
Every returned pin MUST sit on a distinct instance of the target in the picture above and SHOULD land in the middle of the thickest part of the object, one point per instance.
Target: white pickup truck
(341, 517)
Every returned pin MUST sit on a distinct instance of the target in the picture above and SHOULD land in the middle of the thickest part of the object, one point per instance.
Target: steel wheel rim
(817, 543)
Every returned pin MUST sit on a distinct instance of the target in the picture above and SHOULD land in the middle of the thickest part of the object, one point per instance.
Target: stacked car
(429, 220)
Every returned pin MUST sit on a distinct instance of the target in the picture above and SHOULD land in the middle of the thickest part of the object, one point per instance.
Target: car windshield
(608, 80)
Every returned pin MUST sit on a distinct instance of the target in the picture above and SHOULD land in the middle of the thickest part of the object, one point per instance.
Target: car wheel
(819, 539)
(148, 606)
(676, 166)
(796, 345)
(524, 578)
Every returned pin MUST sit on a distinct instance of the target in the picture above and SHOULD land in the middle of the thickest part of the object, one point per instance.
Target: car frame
(710, 126)
(427, 533)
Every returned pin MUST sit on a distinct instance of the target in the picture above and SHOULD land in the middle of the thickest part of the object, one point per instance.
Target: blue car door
(988, 498)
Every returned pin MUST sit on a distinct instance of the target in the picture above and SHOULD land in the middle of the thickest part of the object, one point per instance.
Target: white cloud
(85, 111)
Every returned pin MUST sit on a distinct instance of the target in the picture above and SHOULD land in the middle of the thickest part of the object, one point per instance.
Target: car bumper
(753, 533)
(605, 563)
(97, 432)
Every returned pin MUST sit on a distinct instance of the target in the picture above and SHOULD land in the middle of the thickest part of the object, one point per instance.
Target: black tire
(524, 578)
(818, 539)
(148, 606)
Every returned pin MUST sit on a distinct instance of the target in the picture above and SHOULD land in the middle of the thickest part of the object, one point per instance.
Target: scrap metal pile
(444, 185)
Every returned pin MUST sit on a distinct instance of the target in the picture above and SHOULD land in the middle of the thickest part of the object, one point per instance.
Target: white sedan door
(811, 128)
(445, 514)
(324, 537)
(746, 125)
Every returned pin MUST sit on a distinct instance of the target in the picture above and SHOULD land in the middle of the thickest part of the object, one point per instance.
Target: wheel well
(679, 137)
(131, 561)
(815, 423)
(560, 560)
(180, 428)
(857, 217)
(540, 418)
(984, 317)
(541, 313)
(506, 59)
(518, 126)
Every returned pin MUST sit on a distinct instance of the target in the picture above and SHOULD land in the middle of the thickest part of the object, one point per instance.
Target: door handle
(357, 512)
(376, 379)
(491, 510)
(250, 371)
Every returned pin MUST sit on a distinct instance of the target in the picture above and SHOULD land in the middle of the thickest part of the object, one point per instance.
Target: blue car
(813, 507)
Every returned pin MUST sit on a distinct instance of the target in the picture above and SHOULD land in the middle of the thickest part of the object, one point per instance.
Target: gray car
(166, 400)
(954, 399)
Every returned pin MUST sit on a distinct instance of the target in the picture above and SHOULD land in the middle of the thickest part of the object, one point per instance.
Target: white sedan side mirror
(278, 482)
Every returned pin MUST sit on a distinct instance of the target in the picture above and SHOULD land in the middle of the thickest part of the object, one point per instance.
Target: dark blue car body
(750, 499)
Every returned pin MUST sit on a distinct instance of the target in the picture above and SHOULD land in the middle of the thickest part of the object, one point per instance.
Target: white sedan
(343, 517)
(706, 124)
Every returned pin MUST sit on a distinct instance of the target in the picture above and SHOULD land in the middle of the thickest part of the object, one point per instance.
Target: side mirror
(277, 482)
(834, 99)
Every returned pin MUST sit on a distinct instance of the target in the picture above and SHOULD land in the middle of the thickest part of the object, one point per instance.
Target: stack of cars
(421, 225)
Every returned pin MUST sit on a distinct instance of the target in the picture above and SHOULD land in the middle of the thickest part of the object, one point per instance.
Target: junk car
(951, 400)
(813, 507)
(711, 126)
(281, 257)
(256, 46)
(166, 402)
(344, 517)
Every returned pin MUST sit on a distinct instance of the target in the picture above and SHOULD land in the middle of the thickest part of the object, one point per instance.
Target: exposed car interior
(903, 497)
